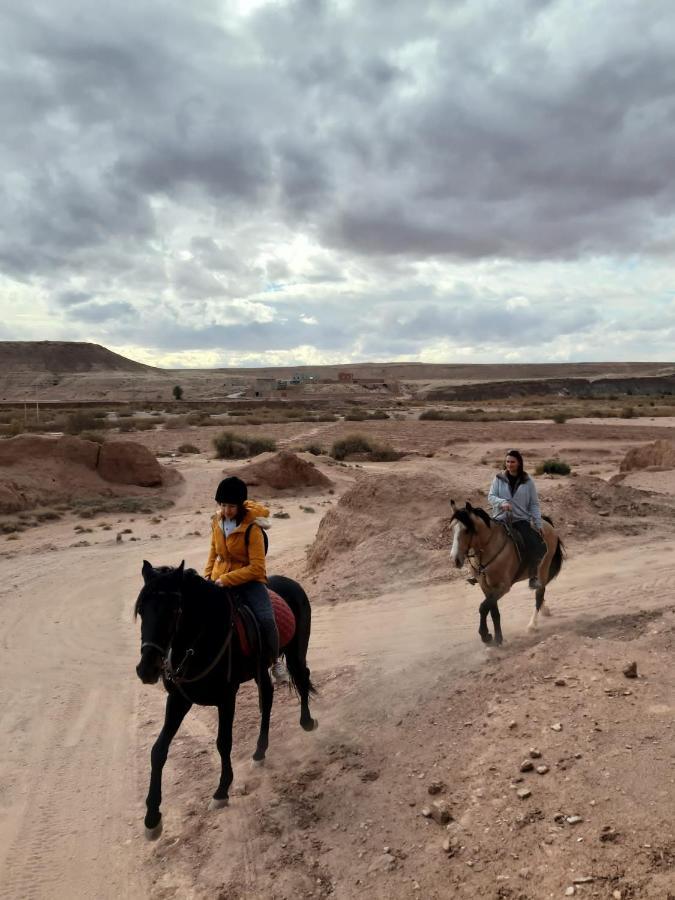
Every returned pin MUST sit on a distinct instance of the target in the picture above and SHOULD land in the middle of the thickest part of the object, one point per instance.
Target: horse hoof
(257, 763)
(486, 638)
(545, 611)
(310, 725)
(218, 802)
(153, 833)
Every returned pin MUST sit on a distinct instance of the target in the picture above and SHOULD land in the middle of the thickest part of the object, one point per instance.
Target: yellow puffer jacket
(232, 563)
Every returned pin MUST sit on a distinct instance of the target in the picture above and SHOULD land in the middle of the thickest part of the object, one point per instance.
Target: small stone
(631, 670)
(426, 812)
(440, 812)
(617, 895)
(560, 682)
(513, 723)
(526, 766)
(584, 879)
(570, 891)
(524, 793)
(436, 787)
(574, 820)
(578, 755)
(542, 770)
(556, 726)
(525, 873)
(534, 753)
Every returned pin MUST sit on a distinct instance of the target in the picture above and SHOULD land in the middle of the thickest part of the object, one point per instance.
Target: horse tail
(556, 562)
(296, 650)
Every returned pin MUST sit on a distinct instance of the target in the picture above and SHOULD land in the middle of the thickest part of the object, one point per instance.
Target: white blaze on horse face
(456, 552)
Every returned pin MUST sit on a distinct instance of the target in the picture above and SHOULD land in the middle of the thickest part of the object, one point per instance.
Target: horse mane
(464, 516)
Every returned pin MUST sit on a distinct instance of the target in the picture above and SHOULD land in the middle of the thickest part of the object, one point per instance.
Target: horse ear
(146, 570)
(181, 567)
(452, 506)
(469, 507)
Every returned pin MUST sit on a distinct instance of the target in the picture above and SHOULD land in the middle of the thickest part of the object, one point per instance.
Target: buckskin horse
(497, 563)
(189, 636)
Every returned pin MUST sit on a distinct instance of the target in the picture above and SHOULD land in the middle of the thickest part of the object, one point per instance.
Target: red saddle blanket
(285, 624)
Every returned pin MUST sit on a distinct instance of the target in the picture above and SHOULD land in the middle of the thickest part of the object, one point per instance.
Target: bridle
(472, 554)
(175, 675)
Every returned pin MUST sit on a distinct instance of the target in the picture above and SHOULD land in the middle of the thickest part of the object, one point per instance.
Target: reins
(482, 567)
(175, 676)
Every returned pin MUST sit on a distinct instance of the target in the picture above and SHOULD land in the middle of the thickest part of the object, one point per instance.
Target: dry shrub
(230, 445)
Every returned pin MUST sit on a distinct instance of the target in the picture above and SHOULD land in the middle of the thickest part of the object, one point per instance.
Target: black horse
(188, 637)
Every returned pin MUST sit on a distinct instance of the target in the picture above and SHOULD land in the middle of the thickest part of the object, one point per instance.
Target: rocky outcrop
(659, 454)
(25, 447)
(285, 471)
(127, 463)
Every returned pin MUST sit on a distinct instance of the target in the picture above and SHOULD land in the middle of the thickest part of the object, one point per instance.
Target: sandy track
(74, 727)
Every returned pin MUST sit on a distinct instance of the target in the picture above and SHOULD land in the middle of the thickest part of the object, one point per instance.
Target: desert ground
(413, 708)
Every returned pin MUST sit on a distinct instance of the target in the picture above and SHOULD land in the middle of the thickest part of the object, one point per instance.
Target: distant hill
(61, 357)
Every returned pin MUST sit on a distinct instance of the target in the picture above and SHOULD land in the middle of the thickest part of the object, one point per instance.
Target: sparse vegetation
(79, 421)
(628, 412)
(177, 392)
(231, 445)
(359, 445)
(188, 448)
(559, 418)
(314, 449)
(553, 467)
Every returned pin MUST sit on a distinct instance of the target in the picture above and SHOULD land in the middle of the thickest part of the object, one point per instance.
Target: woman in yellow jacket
(236, 561)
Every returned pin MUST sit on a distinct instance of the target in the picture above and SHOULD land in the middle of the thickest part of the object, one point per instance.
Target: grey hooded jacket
(524, 503)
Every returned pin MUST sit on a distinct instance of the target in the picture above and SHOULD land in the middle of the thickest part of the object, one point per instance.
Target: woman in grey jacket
(513, 497)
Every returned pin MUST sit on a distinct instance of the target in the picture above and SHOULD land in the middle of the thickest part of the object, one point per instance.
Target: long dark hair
(522, 474)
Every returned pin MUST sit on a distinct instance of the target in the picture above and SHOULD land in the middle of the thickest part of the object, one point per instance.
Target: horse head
(465, 531)
(159, 606)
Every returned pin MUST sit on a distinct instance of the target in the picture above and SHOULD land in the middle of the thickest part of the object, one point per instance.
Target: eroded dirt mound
(586, 506)
(285, 471)
(38, 470)
(385, 529)
(660, 454)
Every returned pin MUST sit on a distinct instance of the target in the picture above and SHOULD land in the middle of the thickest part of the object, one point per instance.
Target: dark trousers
(535, 546)
(255, 596)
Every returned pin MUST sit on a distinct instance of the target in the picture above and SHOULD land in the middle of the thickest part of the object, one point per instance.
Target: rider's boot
(279, 671)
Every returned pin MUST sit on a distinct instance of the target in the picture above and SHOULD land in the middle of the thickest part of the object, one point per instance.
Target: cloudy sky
(245, 182)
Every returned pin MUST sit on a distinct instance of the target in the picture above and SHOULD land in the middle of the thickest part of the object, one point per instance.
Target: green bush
(628, 412)
(80, 421)
(176, 422)
(357, 415)
(553, 467)
(353, 443)
(314, 449)
(188, 448)
(378, 414)
(559, 418)
(230, 445)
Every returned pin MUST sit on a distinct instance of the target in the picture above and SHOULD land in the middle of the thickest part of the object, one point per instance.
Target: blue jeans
(254, 595)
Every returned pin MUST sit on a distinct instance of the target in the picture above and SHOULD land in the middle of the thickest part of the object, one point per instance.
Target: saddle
(247, 628)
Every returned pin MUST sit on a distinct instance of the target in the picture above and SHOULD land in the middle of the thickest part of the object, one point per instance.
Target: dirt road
(76, 724)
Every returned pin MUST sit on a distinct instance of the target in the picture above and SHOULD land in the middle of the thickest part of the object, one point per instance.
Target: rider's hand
(506, 506)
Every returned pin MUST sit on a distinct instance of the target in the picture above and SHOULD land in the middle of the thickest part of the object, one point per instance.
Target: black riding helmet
(232, 490)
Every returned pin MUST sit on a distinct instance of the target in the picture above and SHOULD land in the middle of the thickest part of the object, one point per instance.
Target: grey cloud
(100, 312)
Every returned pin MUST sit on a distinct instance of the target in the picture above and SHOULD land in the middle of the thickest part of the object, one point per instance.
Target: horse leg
(496, 621)
(266, 692)
(538, 604)
(224, 745)
(176, 710)
(483, 629)
(300, 676)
